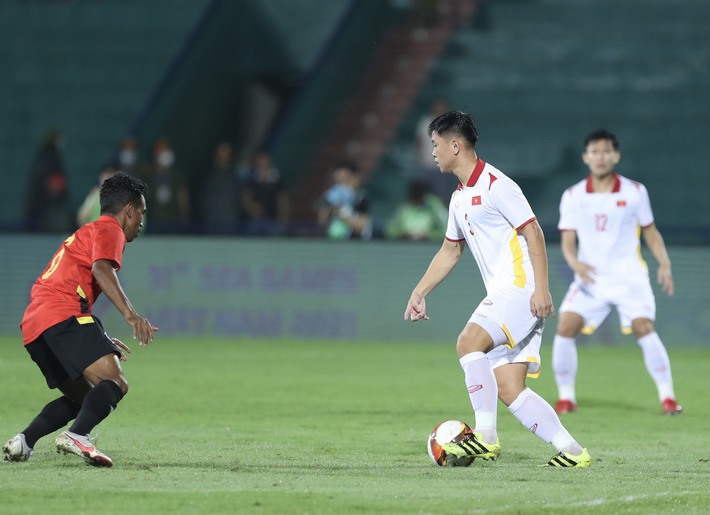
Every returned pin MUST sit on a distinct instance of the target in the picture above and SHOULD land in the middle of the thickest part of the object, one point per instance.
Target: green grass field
(294, 427)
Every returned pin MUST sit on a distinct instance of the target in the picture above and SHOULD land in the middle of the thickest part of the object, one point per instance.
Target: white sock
(483, 392)
(658, 364)
(564, 365)
(536, 414)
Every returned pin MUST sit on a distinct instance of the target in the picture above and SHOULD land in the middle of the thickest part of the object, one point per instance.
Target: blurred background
(253, 118)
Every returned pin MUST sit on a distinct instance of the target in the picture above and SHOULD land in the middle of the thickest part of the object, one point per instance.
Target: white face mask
(166, 158)
(127, 157)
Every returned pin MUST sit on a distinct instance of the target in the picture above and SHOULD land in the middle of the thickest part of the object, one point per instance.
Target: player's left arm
(541, 301)
(106, 277)
(654, 241)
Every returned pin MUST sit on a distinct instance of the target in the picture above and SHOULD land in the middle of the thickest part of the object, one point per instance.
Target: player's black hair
(119, 190)
(602, 134)
(455, 123)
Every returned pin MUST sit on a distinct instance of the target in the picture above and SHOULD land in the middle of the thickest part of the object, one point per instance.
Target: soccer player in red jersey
(67, 342)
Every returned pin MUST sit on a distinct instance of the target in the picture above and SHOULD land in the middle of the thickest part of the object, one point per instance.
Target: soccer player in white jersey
(500, 344)
(600, 220)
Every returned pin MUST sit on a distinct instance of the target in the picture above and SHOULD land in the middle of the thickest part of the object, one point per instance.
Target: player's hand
(585, 271)
(416, 308)
(142, 329)
(541, 304)
(121, 347)
(665, 279)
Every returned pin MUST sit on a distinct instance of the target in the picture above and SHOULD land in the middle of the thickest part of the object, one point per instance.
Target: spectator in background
(128, 159)
(90, 209)
(422, 216)
(169, 196)
(47, 196)
(265, 201)
(442, 185)
(221, 195)
(344, 208)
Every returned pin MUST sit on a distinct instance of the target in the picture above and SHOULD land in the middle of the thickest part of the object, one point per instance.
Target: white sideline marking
(626, 498)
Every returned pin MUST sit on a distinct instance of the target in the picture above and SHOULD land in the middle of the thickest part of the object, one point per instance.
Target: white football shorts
(516, 332)
(594, 302)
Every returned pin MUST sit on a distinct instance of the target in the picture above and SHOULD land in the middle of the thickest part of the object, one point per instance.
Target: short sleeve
(509, 199)
(453, 231)
(645, 214)
(108, 243)
(566, 222)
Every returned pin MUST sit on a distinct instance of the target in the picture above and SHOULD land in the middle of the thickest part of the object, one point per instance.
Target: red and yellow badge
(476, 201)
(620, 203)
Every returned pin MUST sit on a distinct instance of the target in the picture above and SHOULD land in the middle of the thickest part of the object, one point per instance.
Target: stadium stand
(538, 76)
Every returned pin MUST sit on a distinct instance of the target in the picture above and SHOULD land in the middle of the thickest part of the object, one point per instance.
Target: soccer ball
(449, 431)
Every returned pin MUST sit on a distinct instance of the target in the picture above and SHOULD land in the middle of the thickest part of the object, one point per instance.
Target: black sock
(54, 415)
(98, 403)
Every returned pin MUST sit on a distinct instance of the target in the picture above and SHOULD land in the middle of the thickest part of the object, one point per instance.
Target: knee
(642, 327)
(123, 385)
(473, 339)
(465, 346)
(461, 347)
(570, 325)
(507, 393)
(566, 332)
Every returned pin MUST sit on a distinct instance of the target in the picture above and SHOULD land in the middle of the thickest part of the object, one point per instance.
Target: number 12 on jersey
(600, 222)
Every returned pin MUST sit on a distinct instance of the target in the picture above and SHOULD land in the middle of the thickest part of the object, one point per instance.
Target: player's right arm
(106, 277)
(443, 262)
(569, 251)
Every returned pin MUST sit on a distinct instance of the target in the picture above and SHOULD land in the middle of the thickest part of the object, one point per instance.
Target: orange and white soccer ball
(446, 432)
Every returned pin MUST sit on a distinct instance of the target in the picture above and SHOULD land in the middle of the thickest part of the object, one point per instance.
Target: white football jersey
(608, 226)
(488, 212)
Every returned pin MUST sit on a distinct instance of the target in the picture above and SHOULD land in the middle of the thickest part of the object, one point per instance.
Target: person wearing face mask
(169, 195)
(127, 159)
(68, 342)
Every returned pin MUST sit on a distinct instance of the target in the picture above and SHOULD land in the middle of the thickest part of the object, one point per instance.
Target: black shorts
(66, 349)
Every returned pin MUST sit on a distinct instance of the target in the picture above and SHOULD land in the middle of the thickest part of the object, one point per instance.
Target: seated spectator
(344, 207)
(422, 216)
(265, 201)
